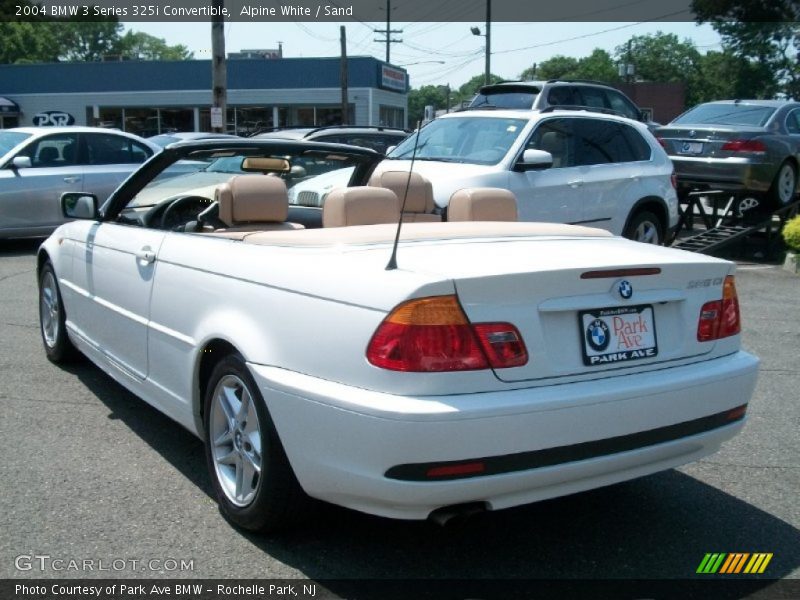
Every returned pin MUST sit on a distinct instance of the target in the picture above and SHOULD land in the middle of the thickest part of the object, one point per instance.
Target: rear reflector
(434, 335)
(720, 318)
(459, 470)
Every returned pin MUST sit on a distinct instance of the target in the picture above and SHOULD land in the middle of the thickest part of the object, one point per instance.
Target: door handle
(576, 183)
(146, 255)
(72, 179)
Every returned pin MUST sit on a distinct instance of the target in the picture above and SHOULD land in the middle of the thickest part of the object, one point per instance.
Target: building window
(392, 116)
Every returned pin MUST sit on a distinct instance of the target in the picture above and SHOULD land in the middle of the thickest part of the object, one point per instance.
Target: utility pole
(388, 31)
(343, 75)
(488, 76)
(219, 75)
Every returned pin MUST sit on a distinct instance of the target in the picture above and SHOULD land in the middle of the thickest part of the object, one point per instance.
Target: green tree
(660, 57)
(28, 42)
(418, 99)
(136, 44)
(723, 75)
(557, 67)
(87, 40)
(471, 87)
(766, 33)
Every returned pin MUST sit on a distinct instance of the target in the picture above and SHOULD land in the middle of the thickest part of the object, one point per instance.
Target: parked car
(750, 148)
(379, 139)
(502, 363)
(537, 95)
(38, 164)
(564, 166)
(164, 139)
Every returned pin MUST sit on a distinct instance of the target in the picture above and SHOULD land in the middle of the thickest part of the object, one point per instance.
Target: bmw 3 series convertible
(369, 354)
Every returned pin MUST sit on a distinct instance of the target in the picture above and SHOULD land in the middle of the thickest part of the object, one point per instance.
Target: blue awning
(8, 107)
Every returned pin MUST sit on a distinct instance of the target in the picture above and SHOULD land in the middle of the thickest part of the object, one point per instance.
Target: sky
(432, 53)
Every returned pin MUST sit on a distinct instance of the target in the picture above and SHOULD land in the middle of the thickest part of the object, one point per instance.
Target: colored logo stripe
(734, 563)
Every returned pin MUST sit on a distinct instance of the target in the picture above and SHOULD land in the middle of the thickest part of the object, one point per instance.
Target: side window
(594, 97)
(110, 149)
(600, 142)
(554, 136)
(619, 103)
(639, 147)
(563, 95)
(58, 150)
(793, 121)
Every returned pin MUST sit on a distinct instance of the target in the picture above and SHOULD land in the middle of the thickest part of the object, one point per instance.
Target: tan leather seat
(253, 203)
(482, 204)
(360, 206)
(419, 202)
(555, 143)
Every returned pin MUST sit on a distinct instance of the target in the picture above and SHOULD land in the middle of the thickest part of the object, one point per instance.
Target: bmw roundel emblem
(625, 289)
(597, 335)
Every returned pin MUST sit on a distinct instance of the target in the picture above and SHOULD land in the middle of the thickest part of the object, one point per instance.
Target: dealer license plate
(691, 147)
(618, 334)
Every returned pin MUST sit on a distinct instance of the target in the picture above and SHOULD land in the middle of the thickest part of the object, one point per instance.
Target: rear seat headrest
(420, 190)
(360, 206)
(482, 204)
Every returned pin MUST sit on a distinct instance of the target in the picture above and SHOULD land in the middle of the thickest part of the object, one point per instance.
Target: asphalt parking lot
(91, 472)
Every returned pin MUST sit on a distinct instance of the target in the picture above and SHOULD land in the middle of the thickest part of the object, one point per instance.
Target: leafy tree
(660, 57)
(136, 44)
(471, 87)
(418, 99)
(87, 40)
(761, 32)
(558, 67)
(725, 75)
(27, 42)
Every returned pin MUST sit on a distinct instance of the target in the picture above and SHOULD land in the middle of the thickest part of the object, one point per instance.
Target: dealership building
(151, 97)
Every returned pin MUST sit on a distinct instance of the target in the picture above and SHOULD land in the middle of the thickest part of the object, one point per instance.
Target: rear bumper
(733, 174)
(342, 441)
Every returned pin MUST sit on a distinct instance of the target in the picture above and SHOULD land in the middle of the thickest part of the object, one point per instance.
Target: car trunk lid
(706, 141)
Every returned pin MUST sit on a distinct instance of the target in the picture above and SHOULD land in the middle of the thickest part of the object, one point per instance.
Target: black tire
(52, 319)
(645, 227)
(263, 500)
(784, 186)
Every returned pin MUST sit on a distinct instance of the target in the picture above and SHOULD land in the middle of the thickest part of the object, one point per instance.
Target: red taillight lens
(502, 344)
(673, 179)
(720, 318)
(662, 142)
(434, 335)
(744, 146)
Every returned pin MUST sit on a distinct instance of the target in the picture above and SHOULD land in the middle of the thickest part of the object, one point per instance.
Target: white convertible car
(496, 363)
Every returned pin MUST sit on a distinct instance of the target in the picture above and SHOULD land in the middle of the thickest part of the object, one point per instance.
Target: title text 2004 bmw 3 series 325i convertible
(499, 364)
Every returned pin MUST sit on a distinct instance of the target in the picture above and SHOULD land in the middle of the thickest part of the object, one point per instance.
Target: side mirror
(534, 159)
(77, 205)
(21, 162)
(390, 148)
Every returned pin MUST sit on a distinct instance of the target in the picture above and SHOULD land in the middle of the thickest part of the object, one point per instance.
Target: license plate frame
(691, 148)
(617, 334)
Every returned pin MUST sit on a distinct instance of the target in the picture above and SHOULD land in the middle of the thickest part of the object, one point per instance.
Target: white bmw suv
(566, 166)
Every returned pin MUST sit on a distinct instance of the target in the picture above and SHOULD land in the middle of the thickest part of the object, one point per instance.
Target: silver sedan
(747, 147)
(38, 164)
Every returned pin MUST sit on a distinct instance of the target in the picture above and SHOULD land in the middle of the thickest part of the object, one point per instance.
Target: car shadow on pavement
(655, 528)
(22, 247)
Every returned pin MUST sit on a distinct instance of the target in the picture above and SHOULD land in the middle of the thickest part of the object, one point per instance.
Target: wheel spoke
(224, 439)
(229, 404)
(228, 459)
(239, 478)
(244, 407)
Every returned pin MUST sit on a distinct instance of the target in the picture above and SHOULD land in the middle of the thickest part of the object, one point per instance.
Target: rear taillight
(744, 146)
(720, 318)
(662, 142)
(673, 179)
(433, 334)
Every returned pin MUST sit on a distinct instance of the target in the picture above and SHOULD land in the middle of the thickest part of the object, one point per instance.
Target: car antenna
(392, 264)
